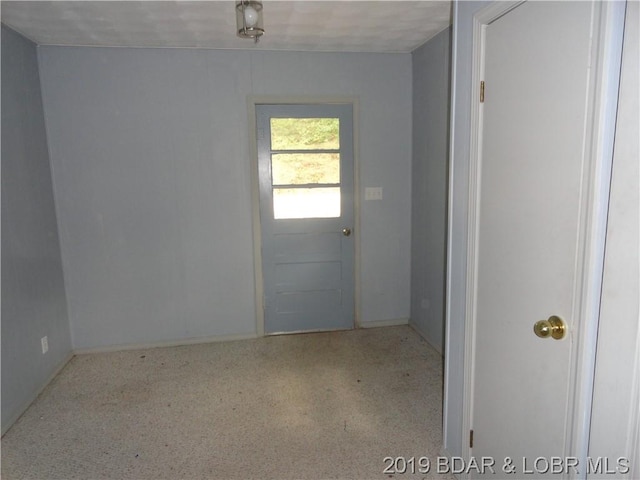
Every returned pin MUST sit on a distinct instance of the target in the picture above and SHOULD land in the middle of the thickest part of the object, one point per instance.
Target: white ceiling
(356, 26)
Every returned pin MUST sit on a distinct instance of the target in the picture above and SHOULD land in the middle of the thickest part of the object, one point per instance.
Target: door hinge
(470, 438)
(482, 91)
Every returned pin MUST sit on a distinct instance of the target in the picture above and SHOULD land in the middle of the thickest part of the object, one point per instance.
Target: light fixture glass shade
(249, 19)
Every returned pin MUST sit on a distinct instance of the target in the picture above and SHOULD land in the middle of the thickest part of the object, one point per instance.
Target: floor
(313, 406)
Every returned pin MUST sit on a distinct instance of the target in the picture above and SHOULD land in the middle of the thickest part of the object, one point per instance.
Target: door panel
(305, 161)
(536, 73)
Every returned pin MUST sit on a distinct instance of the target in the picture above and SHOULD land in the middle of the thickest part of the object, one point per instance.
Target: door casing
(604, 82)
(252, 101)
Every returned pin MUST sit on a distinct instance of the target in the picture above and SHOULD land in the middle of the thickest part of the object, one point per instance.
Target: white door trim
(633, 435)
(608, 26)
(252, 101)
(601, 123)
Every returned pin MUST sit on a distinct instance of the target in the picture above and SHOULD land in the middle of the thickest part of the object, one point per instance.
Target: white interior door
(532, 194)
(305, 162)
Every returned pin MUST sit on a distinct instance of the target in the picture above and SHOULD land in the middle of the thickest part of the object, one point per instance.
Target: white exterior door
(533, 188)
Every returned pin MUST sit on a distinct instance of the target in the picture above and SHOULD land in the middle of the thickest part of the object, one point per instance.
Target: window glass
(305, 133)
(305, 168)
(323, 202)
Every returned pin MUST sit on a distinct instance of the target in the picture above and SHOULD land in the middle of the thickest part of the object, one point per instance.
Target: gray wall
(431, 98)
(33, 294)
(150, 157)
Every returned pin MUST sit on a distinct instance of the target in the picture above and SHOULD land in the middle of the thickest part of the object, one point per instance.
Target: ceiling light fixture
(249, 19)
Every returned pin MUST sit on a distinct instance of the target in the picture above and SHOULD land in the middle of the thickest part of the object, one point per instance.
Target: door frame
(598, 154)
(252, 102)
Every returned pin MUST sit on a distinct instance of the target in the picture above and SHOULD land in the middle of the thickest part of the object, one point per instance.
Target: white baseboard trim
(27, 404)
(385, 323)
(422, 334)
(171, 343)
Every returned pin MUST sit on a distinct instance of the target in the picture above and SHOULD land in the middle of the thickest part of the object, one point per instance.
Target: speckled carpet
(313, 406)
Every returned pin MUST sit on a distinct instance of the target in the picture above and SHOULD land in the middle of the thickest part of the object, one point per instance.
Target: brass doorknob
(553, 327)
(346, 231)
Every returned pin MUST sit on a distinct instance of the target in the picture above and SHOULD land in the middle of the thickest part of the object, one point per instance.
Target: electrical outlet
(45, 344)
(373, 193)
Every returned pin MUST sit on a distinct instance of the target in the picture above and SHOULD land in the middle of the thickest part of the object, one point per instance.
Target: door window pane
(321, 202)
(305, 133)
(305, 168)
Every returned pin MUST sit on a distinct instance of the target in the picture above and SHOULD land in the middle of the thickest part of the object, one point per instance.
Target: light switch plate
(373, 193)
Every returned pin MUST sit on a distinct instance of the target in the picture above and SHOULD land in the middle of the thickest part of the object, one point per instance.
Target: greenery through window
(305, 167)
(305, 134)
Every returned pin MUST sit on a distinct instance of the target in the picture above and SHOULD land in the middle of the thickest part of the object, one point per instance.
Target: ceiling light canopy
(249, 19)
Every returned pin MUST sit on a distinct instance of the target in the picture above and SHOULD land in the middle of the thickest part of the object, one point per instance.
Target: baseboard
(384, 323)
(420, 332)
(20, 412)
(172, 343)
